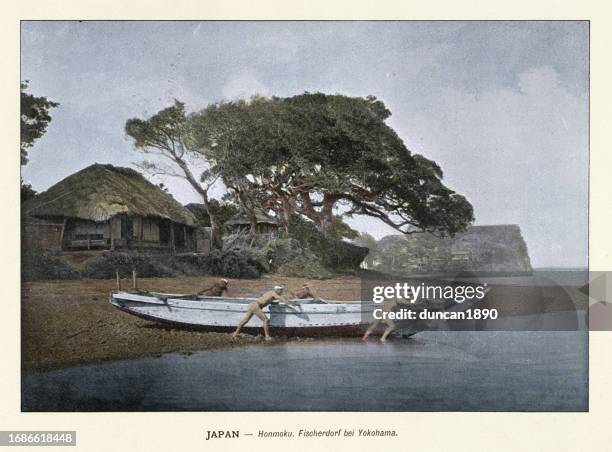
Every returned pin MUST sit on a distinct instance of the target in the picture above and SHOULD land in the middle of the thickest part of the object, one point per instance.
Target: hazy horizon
(501, 106)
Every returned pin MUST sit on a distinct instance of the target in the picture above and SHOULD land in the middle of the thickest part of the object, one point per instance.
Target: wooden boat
(309, 318)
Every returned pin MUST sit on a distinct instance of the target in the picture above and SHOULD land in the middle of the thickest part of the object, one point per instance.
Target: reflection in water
(435, 371)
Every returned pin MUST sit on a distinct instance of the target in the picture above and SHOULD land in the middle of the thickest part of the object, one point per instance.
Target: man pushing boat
(256, 308)
(388, 306)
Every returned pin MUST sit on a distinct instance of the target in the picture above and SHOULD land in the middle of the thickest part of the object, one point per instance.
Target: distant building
(107, 207)
(265, 223)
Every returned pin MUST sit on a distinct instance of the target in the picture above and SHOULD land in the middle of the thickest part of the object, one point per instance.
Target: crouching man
(217, 289)
(256, 308)
(307, 292)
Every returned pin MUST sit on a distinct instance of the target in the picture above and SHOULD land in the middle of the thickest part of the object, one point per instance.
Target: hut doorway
(164, 233)
(180, 237)
(127, 227)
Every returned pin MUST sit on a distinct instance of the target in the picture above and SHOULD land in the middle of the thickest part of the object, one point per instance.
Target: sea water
(433, 371)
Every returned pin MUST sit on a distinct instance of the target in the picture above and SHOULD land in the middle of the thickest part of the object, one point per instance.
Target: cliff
(484, 249)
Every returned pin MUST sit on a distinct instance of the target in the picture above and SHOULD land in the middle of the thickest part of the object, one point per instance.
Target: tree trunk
(325, 226)
(308, 208)
(216, 240)
(323, 217)
(252, 218)
(287, 212)
(327, 215)
(248, 211)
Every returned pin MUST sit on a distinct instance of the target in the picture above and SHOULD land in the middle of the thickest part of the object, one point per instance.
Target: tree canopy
(35, 118)
(167, 134)
(316, 153)
(318, 156)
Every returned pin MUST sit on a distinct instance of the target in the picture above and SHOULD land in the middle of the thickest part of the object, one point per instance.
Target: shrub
(232, 263)
(307, 267)
(340, 255)
(190, 264)
(36, 266)
(279, 252)
(240, 239)
(235, 263)
(334, 254)
(106, 265)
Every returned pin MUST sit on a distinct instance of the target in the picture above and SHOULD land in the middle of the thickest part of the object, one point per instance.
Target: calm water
(434, 371)
(541, 277)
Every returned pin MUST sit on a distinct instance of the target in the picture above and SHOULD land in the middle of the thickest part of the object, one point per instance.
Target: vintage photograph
(304, 216)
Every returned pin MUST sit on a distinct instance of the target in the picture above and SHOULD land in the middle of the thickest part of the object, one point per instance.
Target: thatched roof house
(103, 206)
(265, 223)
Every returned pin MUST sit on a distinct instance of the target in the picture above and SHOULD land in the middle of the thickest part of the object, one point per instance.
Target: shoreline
(242, 342)
(71, 323)
(68, 323)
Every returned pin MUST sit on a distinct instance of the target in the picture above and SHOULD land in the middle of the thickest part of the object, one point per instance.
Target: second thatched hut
(265, 223)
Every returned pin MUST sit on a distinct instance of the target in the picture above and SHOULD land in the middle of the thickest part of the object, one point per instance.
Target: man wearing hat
(217, 289)
(256, 308)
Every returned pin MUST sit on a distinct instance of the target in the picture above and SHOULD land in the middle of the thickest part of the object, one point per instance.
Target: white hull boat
(308, 318)
(224, 313)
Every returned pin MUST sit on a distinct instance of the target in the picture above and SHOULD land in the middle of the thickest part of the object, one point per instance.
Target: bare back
(216, 290)
(269, 297)
(306, 292)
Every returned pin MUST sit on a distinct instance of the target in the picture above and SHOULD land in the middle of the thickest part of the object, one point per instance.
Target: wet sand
(66, 323)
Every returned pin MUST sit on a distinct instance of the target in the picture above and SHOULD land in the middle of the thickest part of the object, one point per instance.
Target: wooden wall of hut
(146, 229)
(120, 232)
(77, 229)
(266, 228)
(41, 235)
(85, 234)
(115, 231)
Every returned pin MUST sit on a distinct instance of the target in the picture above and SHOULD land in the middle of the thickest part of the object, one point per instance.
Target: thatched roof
(260, 215)
(100, 192)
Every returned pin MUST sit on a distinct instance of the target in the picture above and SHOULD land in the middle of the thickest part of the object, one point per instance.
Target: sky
(501, 106)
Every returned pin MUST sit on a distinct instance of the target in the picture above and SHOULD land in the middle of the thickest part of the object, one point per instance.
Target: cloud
(503, 107)
(285, 42)
(535, 79)
(520, 155)
(243, 85)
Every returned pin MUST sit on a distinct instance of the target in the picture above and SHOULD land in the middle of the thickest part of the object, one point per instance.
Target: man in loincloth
(307, 292)
(217, 289)
(256, 308)
(388, 306)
